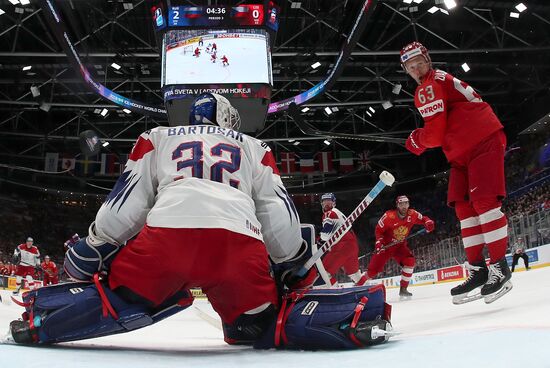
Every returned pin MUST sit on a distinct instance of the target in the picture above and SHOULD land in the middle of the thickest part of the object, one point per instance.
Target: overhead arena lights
(514, 15)
(305, 109)
(328, 111)
(396, 89)
(14, 2)
(28, 67)
(35, 91)
(450, 4)
(372, 109)
(2, 12)
(127, 111)
(521, 7)
(433, 9)
(105, 144)
(104, 112)
(407, 1)
(327, 142)
(418, 1)
(115, 66)
(387, 105)
(25, 2)
(465, 67)
(315, 65)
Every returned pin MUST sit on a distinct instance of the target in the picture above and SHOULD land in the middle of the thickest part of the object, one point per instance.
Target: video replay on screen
(216, 57)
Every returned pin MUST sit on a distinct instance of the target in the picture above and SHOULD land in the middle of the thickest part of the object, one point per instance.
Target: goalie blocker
(315, 319)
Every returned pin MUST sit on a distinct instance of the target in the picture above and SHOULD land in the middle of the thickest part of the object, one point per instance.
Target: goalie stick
(419, 232)
(386, 179)
(309, 129)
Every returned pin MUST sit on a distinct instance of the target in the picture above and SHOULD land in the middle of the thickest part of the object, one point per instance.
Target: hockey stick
(419, 232)
(309, 129)
(386, 179)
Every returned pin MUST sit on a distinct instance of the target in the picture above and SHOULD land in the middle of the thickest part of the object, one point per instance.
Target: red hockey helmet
(401, 199)
(414, 49)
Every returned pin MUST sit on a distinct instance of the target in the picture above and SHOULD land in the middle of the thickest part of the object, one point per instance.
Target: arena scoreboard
(217, 16)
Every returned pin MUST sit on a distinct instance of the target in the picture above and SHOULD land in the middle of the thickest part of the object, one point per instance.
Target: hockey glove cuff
(413, 143)
(429, 225)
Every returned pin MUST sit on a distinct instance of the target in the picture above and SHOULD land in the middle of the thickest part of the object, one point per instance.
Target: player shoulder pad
(391, 214)
(440, 76)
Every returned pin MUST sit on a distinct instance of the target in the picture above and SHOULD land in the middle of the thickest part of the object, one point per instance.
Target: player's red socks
(471, 231)
(495, 228)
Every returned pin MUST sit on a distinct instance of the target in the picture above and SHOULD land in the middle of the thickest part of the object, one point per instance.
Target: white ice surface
(514, 331)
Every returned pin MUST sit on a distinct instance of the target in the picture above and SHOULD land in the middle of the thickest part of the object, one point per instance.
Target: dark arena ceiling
(509, 60)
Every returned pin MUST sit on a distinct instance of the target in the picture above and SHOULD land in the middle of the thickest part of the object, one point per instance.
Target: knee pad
(77, 311)
(328, 319)
(248, 328)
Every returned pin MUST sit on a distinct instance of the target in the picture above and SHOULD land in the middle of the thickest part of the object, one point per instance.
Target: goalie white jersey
(202, 177)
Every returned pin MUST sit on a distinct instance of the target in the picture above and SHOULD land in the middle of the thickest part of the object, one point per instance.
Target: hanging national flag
(324, 160)
(51, 160)
(87, 166)
(109, 163)
(67, 162)
(346, 161)
(306, 162)
(288, 162)
(364, 160)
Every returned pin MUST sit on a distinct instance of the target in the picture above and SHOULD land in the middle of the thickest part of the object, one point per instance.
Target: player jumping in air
(395, 225)
(204, 206)
(472, 138)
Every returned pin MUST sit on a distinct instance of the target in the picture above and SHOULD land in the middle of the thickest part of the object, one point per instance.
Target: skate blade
(503, 290)
(405, 297)
(465, 298)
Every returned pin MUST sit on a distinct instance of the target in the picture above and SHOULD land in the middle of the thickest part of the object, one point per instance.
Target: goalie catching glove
(88, 256)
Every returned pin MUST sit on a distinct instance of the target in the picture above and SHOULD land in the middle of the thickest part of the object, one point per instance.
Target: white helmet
(214, 109)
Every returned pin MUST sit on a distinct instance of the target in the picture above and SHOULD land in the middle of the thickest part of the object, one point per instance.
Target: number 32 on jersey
(197, 158)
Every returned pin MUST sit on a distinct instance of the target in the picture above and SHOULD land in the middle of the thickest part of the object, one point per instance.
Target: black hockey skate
(479, 275)
(373, 332)
(404, 294)
(499, 281)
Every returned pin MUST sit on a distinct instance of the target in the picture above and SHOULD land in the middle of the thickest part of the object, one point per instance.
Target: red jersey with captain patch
(392, 228)
(456, 118)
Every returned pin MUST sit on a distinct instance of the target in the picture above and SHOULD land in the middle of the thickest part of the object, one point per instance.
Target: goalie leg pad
(76, 311)
(328, 319)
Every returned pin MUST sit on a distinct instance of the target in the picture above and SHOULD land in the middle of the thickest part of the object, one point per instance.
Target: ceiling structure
(509, 60)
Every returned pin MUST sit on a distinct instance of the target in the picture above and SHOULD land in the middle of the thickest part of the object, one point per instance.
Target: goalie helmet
(214, 109)
(414, 49)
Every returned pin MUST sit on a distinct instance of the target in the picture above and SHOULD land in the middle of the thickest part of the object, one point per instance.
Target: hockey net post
(386, 179)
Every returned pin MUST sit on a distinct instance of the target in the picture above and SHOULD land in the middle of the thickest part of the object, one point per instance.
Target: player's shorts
(345, 254)
(479, 173)
(232, 269)
(24, 271)
(378, 261)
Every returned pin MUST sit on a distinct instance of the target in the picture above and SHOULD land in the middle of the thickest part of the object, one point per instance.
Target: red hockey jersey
(391, 228)
(455, 117)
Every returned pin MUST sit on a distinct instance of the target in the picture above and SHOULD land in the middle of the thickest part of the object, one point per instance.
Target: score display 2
(216, 16)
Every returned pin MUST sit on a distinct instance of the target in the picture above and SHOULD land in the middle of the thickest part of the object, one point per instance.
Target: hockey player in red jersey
(395, 225)
(214, 47)
(344, 254)
(472, 138)
(50, 271)
(200, 205)
(213, 56)
(197, 52)
(27, 257)
(225, 61)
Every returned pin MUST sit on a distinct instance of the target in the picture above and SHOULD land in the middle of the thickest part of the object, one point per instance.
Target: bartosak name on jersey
(205, 129)
(432, 108)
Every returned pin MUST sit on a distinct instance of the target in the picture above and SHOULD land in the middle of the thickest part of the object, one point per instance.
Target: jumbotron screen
(213, 56)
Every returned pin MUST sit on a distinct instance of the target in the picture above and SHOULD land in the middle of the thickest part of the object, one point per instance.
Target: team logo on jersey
(309, 308)
(432, 108)
(400, 232)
